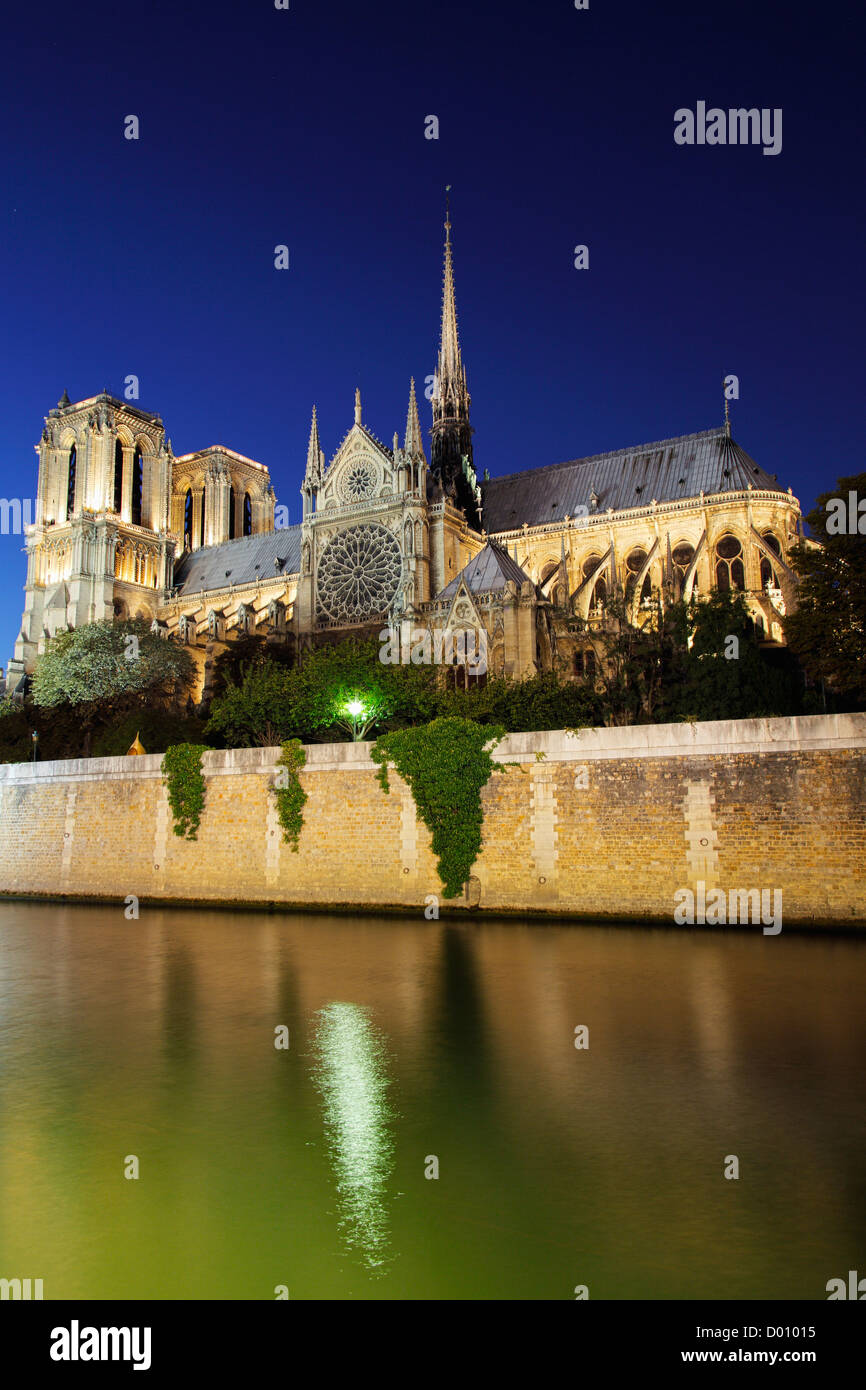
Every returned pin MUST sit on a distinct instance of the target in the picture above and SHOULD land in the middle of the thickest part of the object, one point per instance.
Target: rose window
(359, 574)
(358, 482)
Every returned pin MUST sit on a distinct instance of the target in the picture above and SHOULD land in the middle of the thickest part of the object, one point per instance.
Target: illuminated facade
(125, 528)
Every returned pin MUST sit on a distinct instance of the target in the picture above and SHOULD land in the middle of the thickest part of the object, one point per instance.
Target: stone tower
(100, 546)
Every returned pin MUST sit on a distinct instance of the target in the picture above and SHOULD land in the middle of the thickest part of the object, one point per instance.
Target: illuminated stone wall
(606, 824)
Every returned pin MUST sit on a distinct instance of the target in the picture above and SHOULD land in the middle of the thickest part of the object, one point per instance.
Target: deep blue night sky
(306, 127)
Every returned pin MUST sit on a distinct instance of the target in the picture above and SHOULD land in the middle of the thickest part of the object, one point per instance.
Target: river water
(149, 1046)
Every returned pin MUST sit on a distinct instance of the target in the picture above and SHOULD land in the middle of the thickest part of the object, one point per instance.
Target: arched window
(550, 568)
(729, 564)
(70, 482)
(231, 513)
(137, 486)
(248, 515)
(634, 564)
(682, 556)
(201, 527)
(118, 476)
(187, 520)
(599, 593)
(768, 573)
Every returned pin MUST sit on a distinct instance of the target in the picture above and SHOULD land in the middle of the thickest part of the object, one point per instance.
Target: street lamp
(35, 737)
(355, 710)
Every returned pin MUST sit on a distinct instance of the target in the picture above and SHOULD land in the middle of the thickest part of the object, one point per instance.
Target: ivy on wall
(289, 792)
(184, 783)
(446, 763)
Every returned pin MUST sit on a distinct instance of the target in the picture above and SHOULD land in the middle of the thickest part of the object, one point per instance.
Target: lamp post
(35, 737)
(355, 710)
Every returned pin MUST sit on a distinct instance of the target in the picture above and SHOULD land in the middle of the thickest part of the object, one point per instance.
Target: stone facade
(609, 824)
(194, 544)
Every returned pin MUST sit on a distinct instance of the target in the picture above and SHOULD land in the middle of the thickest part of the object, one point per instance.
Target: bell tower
(99, 546)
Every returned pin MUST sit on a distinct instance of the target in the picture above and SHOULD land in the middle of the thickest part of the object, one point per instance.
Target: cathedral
(403, 538)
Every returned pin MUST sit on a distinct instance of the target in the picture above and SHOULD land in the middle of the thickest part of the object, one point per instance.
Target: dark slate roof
(247, 559)
(491, 569)
(708, 462)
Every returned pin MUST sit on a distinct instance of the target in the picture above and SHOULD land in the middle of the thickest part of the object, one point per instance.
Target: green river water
(412, 1041)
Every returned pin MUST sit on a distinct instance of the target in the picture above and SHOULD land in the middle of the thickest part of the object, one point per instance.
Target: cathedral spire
(451, 453)
(450, 366)
(414, 442)
(313, 475)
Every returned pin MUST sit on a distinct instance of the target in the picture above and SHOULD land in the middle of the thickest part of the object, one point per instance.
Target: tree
(719, 671)
(311, 700)
(110, 661)
(828, 629)
(636, 663)
(106, 669)
(255, 710)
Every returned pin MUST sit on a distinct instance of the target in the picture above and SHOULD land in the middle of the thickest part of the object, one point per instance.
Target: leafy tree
(270, 704)
(111, 662)
(542, 701)
(240, 656)
(273, 703)
(635, 662)
(719, 671)
(106, 669)
(828, 630)
(255, 710)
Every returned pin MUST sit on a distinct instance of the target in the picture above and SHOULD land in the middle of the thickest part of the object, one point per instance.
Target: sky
(306, 127)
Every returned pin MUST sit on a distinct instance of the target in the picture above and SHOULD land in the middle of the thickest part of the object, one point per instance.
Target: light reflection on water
(350, 1074)
(305, 1167)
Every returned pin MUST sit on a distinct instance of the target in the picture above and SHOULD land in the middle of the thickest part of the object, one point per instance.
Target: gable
(361, 470)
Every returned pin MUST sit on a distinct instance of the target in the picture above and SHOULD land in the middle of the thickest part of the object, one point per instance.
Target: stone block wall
(605, 824)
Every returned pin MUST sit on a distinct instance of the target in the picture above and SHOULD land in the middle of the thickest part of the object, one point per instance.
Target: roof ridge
(613, 453)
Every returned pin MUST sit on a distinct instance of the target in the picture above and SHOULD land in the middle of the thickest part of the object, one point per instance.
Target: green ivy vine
(184, 782)
(289, 792)
(446, 763)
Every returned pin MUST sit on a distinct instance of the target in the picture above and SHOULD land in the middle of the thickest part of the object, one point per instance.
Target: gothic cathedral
(389, 538)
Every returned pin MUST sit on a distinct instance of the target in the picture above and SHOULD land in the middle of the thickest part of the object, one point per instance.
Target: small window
(70, 481)
(137, 487)
(118, 476)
